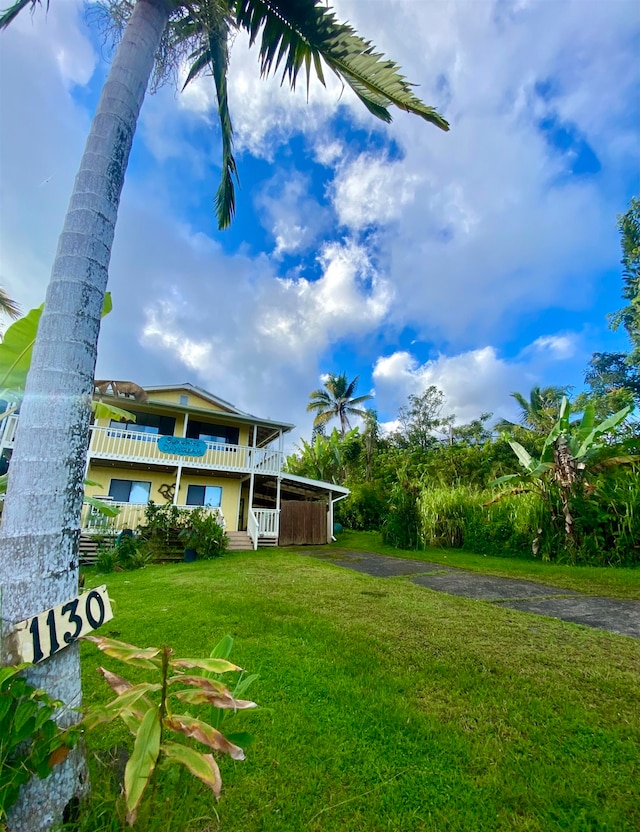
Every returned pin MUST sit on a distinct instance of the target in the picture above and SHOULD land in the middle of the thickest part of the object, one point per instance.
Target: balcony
(134, 446)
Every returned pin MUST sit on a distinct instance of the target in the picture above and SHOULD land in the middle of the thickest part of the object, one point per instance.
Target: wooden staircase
(239, 542)
(88, 550)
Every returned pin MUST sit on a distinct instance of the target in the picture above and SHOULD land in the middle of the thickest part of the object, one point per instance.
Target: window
(220, 434)
(183, 399)
(129, 491)
(150, 424)
(204, 495)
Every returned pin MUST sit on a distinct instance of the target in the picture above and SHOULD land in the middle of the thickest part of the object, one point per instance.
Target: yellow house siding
(173, 397)
(230, 487)
(230, 495)
(103, 477)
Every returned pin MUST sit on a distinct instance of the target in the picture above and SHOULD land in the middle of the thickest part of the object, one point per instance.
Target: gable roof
(204, 394)
(227, 407)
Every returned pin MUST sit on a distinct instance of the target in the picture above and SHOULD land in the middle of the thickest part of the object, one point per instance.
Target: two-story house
(190, 448)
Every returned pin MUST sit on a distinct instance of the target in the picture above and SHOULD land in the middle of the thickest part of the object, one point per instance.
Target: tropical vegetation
(561, 482)
(52, 437)
(336, 401)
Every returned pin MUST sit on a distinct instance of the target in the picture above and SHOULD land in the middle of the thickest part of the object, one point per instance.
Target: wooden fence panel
(302, 523)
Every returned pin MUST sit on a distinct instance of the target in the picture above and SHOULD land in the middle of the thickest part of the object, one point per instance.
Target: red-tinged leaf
(204, 733)
(212, 665)
(203, 766)
(128, 653)
(126, 700)
(142, 762)
(115, 682)
(206, 697)
(59, 755)
(201, 682)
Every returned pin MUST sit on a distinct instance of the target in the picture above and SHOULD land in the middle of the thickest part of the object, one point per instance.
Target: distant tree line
(561, 482)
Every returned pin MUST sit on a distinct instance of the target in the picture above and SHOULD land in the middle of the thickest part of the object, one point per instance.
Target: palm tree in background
(336, 401)
(539, 412)
(8, 306)
(41, 516)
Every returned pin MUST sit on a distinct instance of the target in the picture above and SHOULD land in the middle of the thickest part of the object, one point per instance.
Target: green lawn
(608, 581)
(384, 706)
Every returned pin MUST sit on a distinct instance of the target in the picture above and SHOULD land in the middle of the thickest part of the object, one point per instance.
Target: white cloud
(372, 191)
(558, 346)
(286, 209)
(459, 234)
(473, 382)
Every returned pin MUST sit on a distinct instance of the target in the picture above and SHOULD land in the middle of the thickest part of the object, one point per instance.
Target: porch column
(253, 467)
(178, 478)
(186, 422)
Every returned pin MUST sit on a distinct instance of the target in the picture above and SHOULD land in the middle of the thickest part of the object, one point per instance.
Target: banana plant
(16, 349)
(155, 722)
(566, 453)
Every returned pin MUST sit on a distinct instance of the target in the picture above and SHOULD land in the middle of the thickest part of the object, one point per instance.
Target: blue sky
(483, 260)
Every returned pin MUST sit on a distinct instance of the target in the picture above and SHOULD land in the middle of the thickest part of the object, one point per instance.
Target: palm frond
(210, 22)
(298, 34)
(8, 306)
(9, 15)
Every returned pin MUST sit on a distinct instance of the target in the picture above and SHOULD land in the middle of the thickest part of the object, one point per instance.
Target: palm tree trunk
(41, 517)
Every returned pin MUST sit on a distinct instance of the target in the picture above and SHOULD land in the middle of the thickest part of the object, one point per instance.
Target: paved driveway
(622, 617)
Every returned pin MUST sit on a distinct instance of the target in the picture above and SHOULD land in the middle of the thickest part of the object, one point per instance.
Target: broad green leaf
(201, 731)
(603, 427)
(503, 479)
(9, 672)
(16, 348)
(524, 457)
(212, 665)
(203, 766)
(103, 410)
(244, 684)
(142, 762)
(223, 648)
(587, 423)
(105, 508)
(128, 698)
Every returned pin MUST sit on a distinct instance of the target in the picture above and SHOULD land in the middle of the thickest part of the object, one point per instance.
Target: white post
(178, 478)
(253, 464)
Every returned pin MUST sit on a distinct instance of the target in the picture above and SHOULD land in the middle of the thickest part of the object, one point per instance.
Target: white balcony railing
(119, 444)
(267, 520)
(8, 431)
(135, 446)
(130, 517)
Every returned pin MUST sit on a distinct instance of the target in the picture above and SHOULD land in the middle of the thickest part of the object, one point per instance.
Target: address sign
(47, 633)
(182, 446)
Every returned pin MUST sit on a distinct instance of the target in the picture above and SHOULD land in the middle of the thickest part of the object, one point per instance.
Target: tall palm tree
(336, 400)
(539, 412)
(40, 526)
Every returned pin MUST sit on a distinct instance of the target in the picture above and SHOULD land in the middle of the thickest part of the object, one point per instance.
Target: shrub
(401, 527)
(363, 510)
(205, 534)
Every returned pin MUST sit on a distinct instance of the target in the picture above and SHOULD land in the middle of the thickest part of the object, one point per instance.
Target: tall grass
(458, 517)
